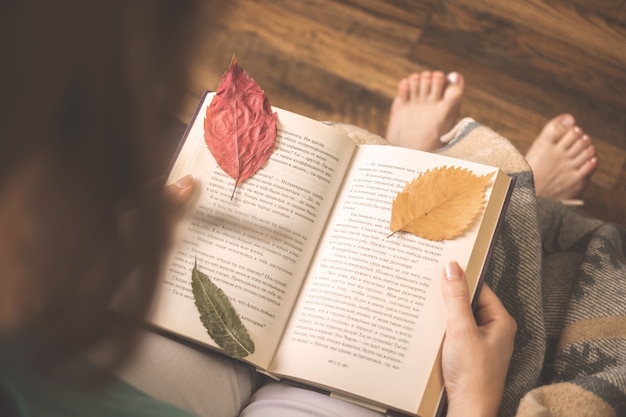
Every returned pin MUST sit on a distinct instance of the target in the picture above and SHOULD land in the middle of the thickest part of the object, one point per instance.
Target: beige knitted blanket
(562, 276)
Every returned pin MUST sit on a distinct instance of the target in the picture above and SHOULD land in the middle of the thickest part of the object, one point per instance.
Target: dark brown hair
(82, 85)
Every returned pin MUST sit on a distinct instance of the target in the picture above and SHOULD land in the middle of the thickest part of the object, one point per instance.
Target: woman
(83, 85)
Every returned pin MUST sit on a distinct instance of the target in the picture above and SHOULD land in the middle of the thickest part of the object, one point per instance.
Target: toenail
(577, 130)
(453, 77)
(567, 121)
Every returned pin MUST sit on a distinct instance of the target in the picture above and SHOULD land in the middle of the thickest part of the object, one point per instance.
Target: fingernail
(184, 182)
(453, 270)
(567, 120)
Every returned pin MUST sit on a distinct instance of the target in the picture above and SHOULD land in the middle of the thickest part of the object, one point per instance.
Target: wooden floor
(524, 61)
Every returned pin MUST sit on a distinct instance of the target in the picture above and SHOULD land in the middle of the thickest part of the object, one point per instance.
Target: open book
(304, 254)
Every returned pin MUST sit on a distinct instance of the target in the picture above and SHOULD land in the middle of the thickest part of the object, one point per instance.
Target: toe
(454, 88)
(556, 128)
(583, 158)
(425, 82)
(414, 86)
(438, 80)
(571, 142)
(578, 146)
(589, 166)
(403, 93)
(455, 78)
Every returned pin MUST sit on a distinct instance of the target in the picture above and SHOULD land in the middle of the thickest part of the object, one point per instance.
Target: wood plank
(606, 8)
(521, 66)
(389, 26)
(620, 16)
(603, 38)
(410, 12)
(609, 206)
(612, 160)
(324, 47)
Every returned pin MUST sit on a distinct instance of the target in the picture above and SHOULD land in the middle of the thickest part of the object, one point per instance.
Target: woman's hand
(477, 348)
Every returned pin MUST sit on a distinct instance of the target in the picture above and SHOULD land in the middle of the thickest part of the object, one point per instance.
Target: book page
(371, 309)
(256, 247)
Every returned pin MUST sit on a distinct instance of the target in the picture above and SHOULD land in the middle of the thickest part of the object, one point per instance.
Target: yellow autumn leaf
(440, 204)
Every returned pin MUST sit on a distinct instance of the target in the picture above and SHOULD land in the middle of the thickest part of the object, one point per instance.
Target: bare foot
(426, 106)
(562, 159)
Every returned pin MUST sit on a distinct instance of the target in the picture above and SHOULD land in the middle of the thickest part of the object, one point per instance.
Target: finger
(489, 307)
(179, 192)
(456, 297)
(491, 314)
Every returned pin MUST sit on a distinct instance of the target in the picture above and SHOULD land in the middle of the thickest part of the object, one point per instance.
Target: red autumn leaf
(240, 127)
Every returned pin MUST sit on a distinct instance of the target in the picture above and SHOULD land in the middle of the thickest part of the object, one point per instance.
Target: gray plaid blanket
(562, 276)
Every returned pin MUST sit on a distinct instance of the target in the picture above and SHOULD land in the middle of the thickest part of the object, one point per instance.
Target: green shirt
(26, 391)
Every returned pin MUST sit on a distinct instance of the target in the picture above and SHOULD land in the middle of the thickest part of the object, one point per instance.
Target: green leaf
(219, 317)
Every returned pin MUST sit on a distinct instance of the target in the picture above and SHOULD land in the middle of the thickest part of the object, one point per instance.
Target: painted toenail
(453, 77)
